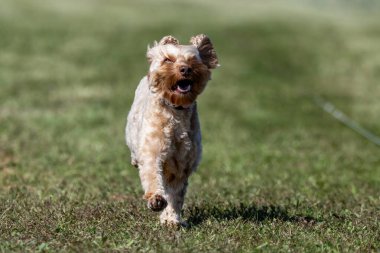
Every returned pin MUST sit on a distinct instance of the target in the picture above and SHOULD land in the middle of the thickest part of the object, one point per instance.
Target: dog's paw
(157, 203)
(174, 224)
(172, 220)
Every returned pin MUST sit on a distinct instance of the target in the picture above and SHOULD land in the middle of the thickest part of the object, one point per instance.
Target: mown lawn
(278, 173)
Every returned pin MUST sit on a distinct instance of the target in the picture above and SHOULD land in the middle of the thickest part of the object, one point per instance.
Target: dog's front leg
(151, 175)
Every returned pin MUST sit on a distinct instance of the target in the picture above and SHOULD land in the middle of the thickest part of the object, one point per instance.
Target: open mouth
(183, 86)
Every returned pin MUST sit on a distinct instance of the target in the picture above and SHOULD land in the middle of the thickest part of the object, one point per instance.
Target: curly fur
(163, 131)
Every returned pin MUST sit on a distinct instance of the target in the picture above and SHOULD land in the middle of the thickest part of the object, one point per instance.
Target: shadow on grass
(246, 212)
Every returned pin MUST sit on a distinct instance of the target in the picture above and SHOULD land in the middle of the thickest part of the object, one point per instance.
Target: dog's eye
(168, 60)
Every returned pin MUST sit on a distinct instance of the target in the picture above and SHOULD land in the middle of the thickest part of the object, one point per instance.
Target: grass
(278, 173)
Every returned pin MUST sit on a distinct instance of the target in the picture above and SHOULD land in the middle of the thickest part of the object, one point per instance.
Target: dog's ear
(206, 50)
(168, 40)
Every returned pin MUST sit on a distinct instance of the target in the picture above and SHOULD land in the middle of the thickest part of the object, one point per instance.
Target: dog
(163, 131)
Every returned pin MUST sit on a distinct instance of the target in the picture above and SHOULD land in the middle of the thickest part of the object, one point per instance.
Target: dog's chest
(178, 164)
(182, 136)
(182, 145)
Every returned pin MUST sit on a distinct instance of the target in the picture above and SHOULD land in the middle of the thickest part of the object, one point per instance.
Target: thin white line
(339, 115)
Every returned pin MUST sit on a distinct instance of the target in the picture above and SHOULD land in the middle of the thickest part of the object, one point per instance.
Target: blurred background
(68, 71)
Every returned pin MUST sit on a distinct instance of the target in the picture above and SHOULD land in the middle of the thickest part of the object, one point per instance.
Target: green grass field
(278, 173)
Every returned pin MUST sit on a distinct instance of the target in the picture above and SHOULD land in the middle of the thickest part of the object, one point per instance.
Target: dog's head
(179, 73)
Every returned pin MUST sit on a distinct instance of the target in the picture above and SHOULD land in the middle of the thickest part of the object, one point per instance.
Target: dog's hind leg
(172, 213)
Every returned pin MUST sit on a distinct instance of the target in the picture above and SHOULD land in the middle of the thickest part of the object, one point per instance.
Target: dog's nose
(185, 70)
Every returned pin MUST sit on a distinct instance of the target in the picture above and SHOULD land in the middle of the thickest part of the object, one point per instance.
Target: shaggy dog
(163, 131)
